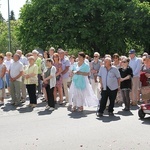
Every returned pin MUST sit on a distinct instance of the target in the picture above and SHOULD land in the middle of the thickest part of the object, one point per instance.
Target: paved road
(23, 128)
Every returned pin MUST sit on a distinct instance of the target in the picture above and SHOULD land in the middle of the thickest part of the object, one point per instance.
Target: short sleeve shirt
(65, 63)
(109, 77)
(15, 69)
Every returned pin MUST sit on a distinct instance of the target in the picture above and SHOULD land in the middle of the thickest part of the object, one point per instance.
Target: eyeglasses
(124, 61)
(96, 56)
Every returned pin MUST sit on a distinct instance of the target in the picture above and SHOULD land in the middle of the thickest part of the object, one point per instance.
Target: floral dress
(59, 77)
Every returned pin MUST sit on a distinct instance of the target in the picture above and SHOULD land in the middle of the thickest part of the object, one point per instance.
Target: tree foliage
(1, 18)
(12, 15)
(106, 26)
(15, 44)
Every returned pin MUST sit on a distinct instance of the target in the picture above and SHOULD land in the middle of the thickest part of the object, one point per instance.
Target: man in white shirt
(15, 72)
(24, 61)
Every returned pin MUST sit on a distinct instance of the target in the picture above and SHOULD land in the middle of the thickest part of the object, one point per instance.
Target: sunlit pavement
(24, 128)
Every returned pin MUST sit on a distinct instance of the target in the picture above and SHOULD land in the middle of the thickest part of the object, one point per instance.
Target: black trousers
(126, 97)
(105, 95)
(50, 96)
(31, 88)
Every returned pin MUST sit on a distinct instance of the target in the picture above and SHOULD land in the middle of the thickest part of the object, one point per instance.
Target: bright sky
(15, 5)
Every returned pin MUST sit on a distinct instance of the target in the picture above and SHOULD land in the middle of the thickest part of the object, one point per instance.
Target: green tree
(15, 44)
(12, 15)
(106, 26)
(1, 18)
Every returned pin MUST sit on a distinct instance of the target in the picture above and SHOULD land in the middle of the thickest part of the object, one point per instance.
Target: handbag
(58, 78)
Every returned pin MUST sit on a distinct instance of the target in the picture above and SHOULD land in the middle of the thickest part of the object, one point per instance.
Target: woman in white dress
(81, 93)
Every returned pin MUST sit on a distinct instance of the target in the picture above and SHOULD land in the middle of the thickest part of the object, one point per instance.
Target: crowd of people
(80, 81)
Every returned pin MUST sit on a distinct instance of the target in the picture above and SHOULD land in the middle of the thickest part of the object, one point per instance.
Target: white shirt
(15, 69)
(8, 63)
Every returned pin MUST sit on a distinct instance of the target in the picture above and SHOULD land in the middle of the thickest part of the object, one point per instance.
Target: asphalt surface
(23, 128)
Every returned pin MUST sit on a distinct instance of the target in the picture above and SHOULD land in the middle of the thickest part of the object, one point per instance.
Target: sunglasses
(124, 61)
(95, 56)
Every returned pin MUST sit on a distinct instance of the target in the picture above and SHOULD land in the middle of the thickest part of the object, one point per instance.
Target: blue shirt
(109, 77)
(135, 64)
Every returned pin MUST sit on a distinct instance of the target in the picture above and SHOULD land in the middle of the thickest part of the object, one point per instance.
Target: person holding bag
(50, 82)
(31, 80)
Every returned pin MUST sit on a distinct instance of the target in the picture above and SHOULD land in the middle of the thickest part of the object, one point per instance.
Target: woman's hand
(79, 73)
(27, 76)
(121, 79)
(45, 81)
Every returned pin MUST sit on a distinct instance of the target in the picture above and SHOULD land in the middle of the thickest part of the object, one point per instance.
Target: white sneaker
(47, 107)
(51, 108)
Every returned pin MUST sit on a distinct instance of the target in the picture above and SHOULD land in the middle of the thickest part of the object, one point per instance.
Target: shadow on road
(134, 107)
(78, 115)
(41, 104)
(44, 112)
(8, 107)
(107, 119)
(25, 110)
(146, 121)
(125, 113)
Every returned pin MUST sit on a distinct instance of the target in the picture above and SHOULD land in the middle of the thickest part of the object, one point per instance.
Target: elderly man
(135, 64)
(65, 71)
(15, 72)
(110, 81)
(24, 61)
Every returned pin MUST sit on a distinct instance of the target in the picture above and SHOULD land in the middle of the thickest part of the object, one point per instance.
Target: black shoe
(99, 114)
(111, 114)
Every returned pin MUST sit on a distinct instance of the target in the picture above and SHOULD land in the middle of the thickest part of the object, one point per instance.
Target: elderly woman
(50, 82)
(81, 93)
(125, 84)
(2, 74)
(31, 80)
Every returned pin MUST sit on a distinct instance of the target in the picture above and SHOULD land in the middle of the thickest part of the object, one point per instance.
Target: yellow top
(30, 70)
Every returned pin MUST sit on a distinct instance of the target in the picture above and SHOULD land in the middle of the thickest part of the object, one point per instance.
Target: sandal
(73, 109)
(80, 109)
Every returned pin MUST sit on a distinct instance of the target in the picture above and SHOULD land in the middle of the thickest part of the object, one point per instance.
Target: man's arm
(66, 70)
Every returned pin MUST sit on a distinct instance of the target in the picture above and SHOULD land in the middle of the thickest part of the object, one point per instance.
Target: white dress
(82, 97)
